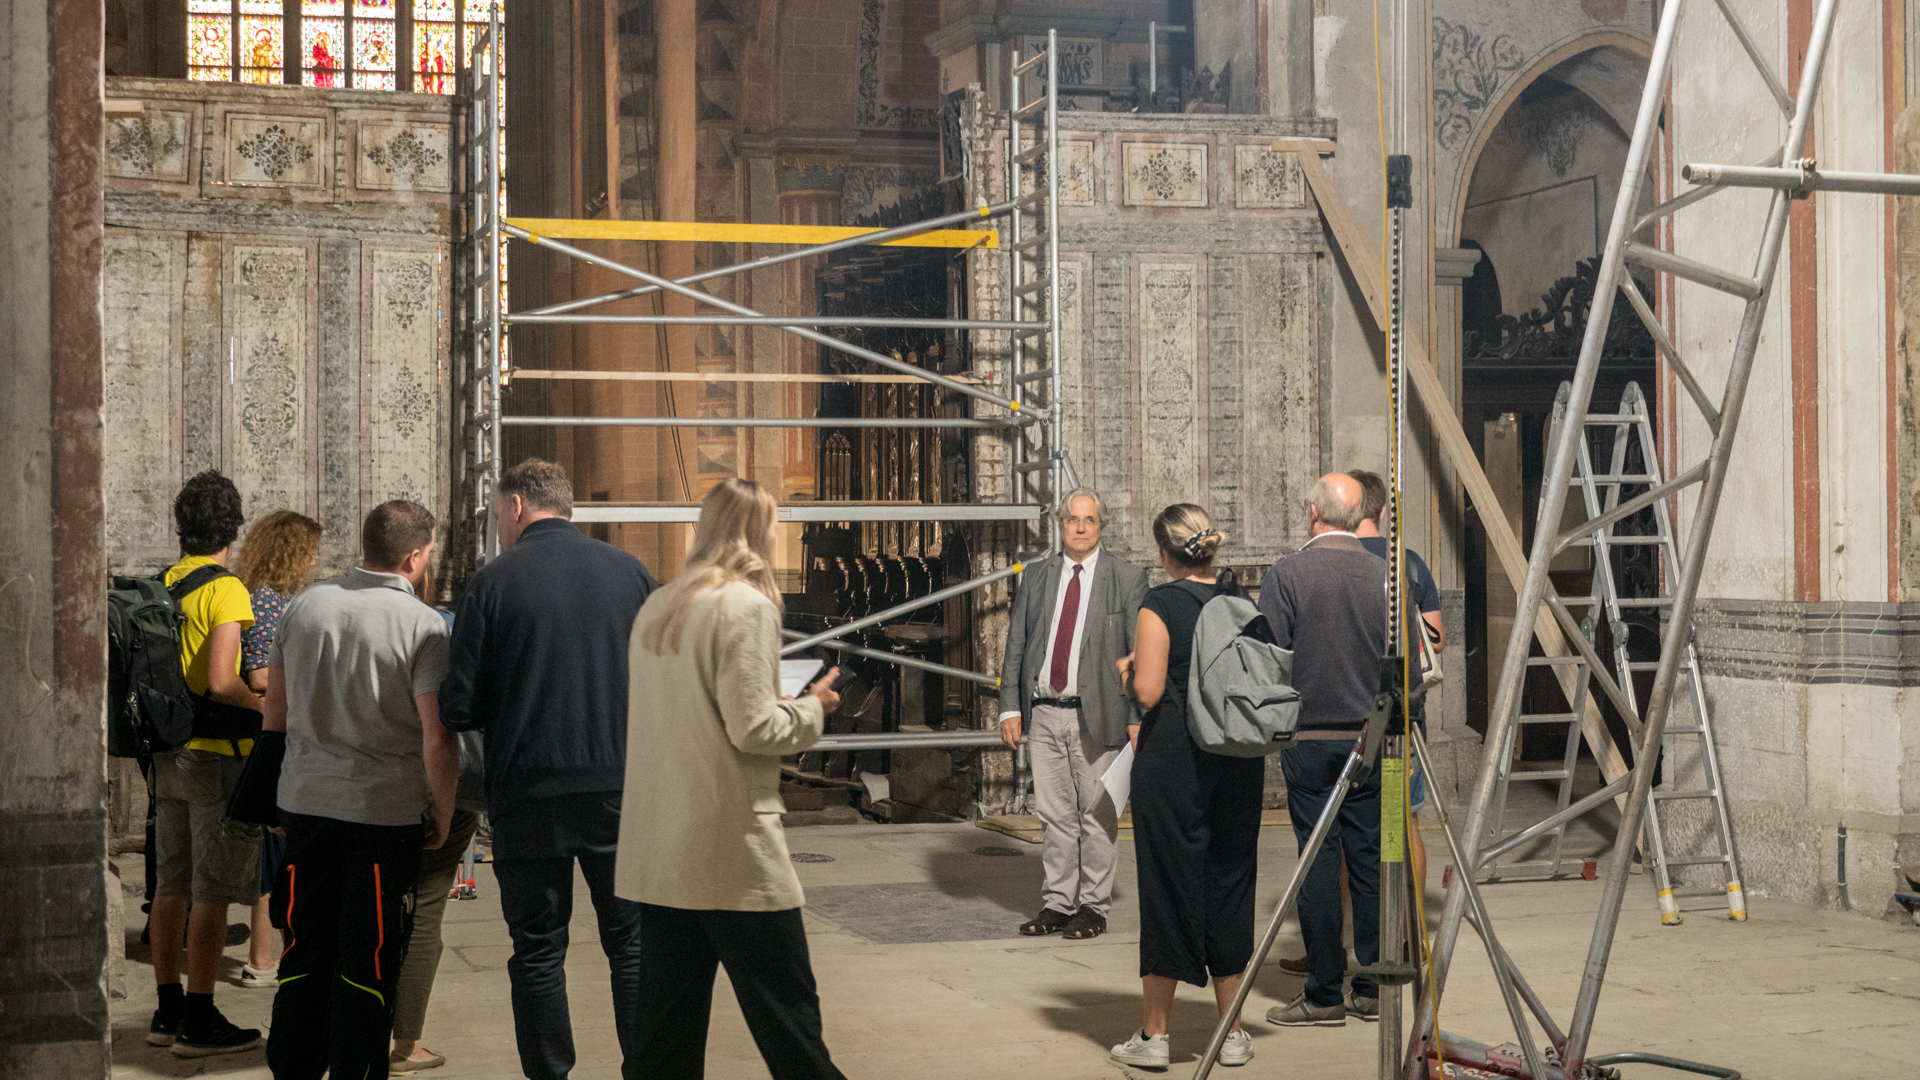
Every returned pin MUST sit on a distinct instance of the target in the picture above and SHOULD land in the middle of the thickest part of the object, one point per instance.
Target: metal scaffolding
(1566, 1055)
(1026, 408)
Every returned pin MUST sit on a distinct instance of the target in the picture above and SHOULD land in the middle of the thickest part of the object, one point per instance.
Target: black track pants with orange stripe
(345, 893)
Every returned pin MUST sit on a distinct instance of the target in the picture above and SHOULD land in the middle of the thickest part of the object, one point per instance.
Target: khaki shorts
(198, 850)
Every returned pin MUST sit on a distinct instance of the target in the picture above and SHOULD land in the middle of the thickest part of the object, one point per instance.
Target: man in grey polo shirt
(368, 782)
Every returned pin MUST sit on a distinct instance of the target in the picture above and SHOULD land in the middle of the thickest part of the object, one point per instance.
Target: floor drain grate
(1001, 852)
(808, 856)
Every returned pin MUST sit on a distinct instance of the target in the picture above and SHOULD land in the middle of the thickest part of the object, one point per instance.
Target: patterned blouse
(255, 640)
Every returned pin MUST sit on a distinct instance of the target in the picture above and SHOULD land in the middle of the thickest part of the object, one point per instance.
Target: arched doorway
(1537, 200)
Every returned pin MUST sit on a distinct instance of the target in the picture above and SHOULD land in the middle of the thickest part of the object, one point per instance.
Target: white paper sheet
(1118, 779)
(796, 674)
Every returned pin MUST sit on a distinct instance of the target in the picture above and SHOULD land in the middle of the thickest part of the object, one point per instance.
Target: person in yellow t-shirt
(203, 860)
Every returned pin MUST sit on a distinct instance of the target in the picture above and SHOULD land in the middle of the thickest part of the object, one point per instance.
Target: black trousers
(1196, 836)
(536, 896)
(766, 957)
(1312, 767)
(345, 896)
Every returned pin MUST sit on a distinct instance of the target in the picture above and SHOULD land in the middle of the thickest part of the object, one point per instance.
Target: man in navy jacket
(539, 665)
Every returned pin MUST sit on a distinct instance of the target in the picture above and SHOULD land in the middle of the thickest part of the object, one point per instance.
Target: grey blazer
(1112, 606)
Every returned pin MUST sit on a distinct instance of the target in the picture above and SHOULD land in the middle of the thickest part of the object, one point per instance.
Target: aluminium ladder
(1633, 447)
(1786, 174)
(1040, 469)
(1554, 865)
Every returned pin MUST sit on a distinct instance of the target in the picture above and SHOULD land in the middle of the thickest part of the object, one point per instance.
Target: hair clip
(1192, 548)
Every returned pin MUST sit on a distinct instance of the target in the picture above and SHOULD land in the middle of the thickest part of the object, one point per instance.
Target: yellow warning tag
(1393, 809)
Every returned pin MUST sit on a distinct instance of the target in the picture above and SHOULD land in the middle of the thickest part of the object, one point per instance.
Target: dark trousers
(345, 897)
(1311, 768)
(1196, 838)
(766, 957)
(536, 896)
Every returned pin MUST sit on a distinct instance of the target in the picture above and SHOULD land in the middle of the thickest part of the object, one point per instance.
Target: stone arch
(1608, 66)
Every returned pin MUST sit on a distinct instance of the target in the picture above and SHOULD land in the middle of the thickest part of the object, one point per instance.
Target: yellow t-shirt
(223, 600)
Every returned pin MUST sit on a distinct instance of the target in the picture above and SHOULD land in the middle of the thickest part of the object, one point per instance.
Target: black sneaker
(164, 1029)
(212, 1037)
(238, 933)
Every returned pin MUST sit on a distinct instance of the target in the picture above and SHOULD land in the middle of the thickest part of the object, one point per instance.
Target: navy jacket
(540, 665)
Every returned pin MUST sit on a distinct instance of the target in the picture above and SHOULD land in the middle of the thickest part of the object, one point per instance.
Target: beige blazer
(700, 819)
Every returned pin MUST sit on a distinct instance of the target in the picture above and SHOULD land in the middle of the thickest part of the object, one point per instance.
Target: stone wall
(277, 302)
(1194, 287)
(1192, 265)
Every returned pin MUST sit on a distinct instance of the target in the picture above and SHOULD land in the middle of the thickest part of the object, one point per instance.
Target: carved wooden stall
(855, 569)
(276, 305)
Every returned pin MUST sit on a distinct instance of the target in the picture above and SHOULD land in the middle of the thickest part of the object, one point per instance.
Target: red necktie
(1063, 634)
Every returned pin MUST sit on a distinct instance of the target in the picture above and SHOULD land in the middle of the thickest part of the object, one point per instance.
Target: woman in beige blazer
(701, 846)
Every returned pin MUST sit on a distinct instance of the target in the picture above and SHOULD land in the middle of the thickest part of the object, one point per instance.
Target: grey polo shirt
(354, 651)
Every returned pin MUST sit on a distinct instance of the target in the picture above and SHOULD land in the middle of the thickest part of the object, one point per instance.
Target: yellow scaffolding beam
(726, 232)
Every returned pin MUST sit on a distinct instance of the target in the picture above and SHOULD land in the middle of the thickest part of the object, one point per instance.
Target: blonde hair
(732, 542)
(1185, 532)
(278, 552)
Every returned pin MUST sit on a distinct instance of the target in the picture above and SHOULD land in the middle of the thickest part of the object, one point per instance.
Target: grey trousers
(437, 870)
(1081, 822)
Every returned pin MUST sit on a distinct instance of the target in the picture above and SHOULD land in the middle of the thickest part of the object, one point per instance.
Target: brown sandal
(1047, 922)
(1084, 925)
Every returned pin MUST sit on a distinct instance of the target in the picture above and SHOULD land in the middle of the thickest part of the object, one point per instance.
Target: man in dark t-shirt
(1328, 603)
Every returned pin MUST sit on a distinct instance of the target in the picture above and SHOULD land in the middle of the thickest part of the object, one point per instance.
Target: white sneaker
(256, 979)
(1238, 1049)
(1148, 1053)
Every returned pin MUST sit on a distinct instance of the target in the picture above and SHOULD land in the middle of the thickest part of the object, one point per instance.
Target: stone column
(1455, 746)
(53, 784)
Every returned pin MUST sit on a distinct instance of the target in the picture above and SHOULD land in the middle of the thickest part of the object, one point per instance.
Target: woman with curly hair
(275, 561)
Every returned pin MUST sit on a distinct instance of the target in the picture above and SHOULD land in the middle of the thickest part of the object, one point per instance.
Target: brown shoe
(1301, 966)
(401, 1063)
(1047, 922)
(1084, 925)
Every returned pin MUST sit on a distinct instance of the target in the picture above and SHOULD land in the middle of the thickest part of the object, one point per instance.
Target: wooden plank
(1365, 268)
(739, 232)
(1323, 147)
(714, 376)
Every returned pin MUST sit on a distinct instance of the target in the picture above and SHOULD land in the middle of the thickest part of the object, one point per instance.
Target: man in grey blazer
(1072, 618)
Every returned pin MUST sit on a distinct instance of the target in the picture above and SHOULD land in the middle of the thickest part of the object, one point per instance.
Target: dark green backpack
(149, 708)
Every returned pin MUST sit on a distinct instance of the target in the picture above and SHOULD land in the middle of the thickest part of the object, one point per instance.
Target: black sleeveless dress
(1196, 821)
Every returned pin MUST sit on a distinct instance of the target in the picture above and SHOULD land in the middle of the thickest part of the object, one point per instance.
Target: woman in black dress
(1196, 815)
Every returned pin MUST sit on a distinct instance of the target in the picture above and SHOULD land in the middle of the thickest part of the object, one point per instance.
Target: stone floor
(912, 930)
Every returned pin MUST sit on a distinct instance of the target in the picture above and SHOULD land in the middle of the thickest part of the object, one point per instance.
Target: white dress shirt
(1078, 630)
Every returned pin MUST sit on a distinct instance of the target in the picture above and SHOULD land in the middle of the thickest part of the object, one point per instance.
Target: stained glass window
(436, 55)
(210, 40)
(323, 50)
(262, 47)
(364, 44)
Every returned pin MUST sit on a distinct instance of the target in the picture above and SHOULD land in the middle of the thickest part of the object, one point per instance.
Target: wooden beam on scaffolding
(1365, 267)
(730, 232)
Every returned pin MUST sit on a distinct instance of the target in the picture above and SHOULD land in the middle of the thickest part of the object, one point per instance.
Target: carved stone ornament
(1266, 178)
(1164, 175)
(281, 151)
(152, 146)
(410, 291)
(269, 410)
(403, 157)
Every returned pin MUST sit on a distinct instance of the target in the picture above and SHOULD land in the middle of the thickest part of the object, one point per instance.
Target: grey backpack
(1240, 696)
